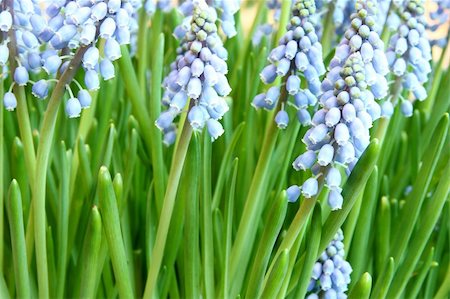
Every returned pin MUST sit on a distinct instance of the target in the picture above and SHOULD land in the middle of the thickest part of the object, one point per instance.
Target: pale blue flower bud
(107, 69)
(112, 49)
(333, 178)
(179, 101)
(73, 108)
(293, 193)
(304, 161)
(40, 89)
(291, 49)
(197, 67)
(272, 95)
(52, 64)
(293, 84)
(318, 133)
(91, 80)
(21, 76)
(5, 21)
(310, 187)
(9, 101)
(282, 119)
(84, 98)
(335, 200)
(194, 88)
(107, 28)
(304, 117)
(222, 86)
(283, 67)
(215, 129)
(341, 134)
(4, 54)
(325, 155)
(196, 118)
(268, 74)
(407, 108)
(332, 117)
(90, 58)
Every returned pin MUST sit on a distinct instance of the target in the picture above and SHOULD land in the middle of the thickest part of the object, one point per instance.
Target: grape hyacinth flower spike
(47, 39)
(224, 9)
(409, 53)
(197, 81)
(340, 128)
(298, 57)
(331, 273)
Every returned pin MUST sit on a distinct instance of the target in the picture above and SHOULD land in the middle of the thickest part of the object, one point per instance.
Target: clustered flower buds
(440, 16)
(225, 9)
(197, 80)
(331, 273)
(409, 52)
(299, 55)
(340, 129)
(46, 40)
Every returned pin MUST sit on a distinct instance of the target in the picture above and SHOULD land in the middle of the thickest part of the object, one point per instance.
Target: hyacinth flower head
(331, 273)
(297, 57)
(409, 53)
(197, 80)
(47, 38)
(225, 10)
(340, 128)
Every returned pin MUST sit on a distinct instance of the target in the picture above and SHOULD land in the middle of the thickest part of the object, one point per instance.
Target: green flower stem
(266, 244)
(2, 171)
(111, 224)
(225, 166)
(360, 244)
(23, 116)
(441, 246)
(14, 208)
(444, 289)
(312, 247)
(430, 216)
(150, 133)
(424, 271)
(191, 228)
(42, 161)
(384, 280)
(246, 233)
(63, 221)
(276, 277)
(412, 206)
(90, 256)
(382, 235)
(229, 227)
(167, 209)
(352, 189)
(86, 121)
(441, 105)
(207, 233)
(142, 45)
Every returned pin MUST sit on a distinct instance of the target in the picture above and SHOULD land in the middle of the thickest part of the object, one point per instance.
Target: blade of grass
(266, 245)
(111, 226)
(312, 247)
(15, 217)
(191, 230)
